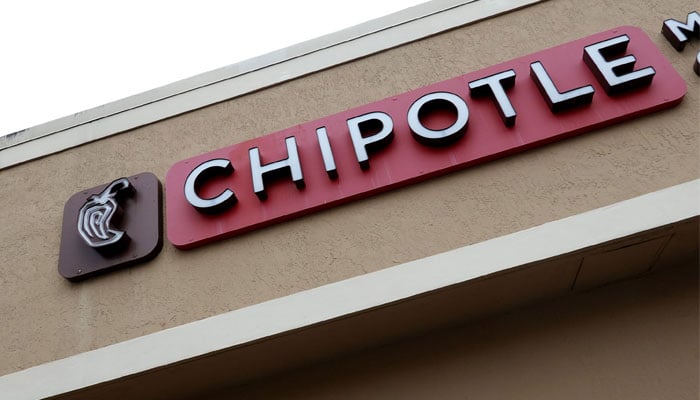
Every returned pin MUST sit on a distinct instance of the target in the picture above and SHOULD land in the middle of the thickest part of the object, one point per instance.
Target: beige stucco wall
(45, 317)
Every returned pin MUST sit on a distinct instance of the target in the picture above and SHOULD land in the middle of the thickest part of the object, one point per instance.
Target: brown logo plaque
(111, 226)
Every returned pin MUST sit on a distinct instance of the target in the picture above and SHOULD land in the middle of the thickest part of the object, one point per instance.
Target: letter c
(205, 170)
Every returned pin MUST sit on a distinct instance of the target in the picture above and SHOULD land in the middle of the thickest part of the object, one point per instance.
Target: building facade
(564, 270)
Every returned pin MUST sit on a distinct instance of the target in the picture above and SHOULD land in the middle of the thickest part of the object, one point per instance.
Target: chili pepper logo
(111, 226)
(97, 215)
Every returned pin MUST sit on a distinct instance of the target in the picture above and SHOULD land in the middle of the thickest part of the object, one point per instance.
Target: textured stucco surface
(45, 317)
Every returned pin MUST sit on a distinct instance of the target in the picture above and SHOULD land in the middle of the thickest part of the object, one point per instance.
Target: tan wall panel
(46, 317)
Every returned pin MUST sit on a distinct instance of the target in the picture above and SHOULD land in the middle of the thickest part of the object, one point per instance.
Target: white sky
(62, 57)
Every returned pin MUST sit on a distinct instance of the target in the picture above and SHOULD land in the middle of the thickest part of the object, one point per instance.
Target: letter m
(677, 32)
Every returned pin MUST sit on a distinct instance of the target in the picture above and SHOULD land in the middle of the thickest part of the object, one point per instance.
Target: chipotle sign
(500, 110)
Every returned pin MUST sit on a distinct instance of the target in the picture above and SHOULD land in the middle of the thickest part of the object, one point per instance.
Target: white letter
(616, 75)
(494, 86)
(326, 152)
(556, 100)
(362, 144)
(676, 32)
(441, 136)
(290, 165)
(196, 178)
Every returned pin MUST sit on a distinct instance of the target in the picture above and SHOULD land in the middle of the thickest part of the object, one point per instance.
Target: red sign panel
(526, 102)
